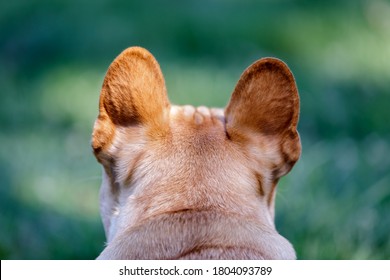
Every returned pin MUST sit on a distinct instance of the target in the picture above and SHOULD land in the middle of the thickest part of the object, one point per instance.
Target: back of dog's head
(159, 158)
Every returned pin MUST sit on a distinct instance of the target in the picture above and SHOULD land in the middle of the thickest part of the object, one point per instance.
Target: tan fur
(193, 183)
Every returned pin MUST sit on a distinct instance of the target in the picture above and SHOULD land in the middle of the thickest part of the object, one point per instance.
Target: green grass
(335, 203)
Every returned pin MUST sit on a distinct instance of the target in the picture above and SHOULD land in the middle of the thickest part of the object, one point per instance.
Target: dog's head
(161, 158)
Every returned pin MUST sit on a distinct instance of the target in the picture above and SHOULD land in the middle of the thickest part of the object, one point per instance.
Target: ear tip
(272, 60)
(135, 52)
(272, 63)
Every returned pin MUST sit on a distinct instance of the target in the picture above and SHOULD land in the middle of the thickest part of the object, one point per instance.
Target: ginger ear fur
(264, 108)
(133, 95)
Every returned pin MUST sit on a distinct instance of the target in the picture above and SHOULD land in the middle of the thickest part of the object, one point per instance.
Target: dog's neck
(195, 235)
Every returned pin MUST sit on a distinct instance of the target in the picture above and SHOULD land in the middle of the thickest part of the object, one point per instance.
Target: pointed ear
(133, 94)
(265, 105)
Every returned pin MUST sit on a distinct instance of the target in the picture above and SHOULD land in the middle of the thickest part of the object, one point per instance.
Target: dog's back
(194, 183)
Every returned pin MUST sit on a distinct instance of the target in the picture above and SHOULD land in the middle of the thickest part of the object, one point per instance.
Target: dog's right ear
(133, 95)
(264, 111)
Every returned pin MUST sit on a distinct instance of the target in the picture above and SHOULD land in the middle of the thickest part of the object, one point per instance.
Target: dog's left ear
(263, 111)
(133, 95)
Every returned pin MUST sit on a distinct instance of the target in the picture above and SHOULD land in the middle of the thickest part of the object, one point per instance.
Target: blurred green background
(53, 56)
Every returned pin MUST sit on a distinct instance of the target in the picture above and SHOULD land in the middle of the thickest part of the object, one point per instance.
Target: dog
(181, 182)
